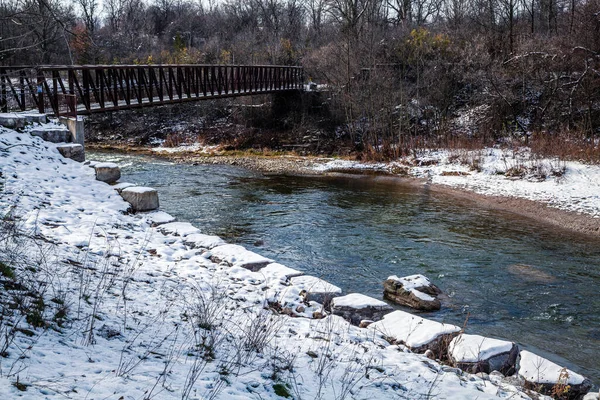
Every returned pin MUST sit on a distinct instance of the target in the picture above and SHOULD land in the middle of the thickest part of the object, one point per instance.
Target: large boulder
(74, 151)
(416, 333)
(356, 307)
(141, 198)
(474, 353)
(414, 291)
(107, 172)
(547, 377)
(316, 289)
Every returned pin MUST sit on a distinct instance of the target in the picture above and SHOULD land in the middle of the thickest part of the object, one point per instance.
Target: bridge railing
(99, 88)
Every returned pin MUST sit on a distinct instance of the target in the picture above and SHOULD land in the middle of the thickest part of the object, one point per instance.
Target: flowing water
(504, 275)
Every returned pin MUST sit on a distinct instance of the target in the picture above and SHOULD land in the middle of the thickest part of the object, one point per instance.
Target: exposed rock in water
(107, 172)
(357, 307)
(474, 354)
(531, 273)
(415, 291)
(141, 198)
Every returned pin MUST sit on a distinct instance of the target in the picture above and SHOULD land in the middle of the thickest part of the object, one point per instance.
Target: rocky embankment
(138, 305)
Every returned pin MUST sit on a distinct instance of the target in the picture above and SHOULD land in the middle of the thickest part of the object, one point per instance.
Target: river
(505, 276)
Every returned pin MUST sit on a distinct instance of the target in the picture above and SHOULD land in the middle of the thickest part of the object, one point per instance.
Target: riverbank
(561, 194)
(102, 303)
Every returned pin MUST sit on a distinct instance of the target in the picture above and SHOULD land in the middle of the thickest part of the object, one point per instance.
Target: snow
(147, 316)
(474, 348)
(183, 148)
(157, 217)
(72, 145)
(312, 284)
(122, 185)
(178, 228)
(566, 185)
(237, 255)
(139, 189)
(539, 370)
(422, 296)
(200, 240)
(412, 281)
(357, 301)
(279, 271)
(414, 331)
(106, 165)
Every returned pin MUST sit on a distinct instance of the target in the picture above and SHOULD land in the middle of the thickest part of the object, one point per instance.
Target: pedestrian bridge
(86, 89)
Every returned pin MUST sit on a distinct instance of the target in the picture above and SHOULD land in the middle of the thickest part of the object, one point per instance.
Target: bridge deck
(70, 90)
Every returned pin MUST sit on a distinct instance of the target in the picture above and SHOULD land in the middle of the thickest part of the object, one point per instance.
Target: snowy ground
(569, 186)
(116, 308)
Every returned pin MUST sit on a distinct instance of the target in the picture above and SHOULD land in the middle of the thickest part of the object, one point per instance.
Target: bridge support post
(77, 129)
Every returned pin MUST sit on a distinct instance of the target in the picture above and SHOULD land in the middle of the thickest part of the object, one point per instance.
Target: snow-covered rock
(418, 334)
(546, 376)
(475, 353)
(122, 185)
(178, 228)
(54, 134)
(415, 291)
(141, 198)
(12, 120)
(356, 307)
(107, 172)
(202, 241)
(238, 256)
(280, 272)
(74, 151)
(316, 289)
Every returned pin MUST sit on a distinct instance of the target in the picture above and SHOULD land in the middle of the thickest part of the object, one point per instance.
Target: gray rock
(415, 291)
(12, 120)
(73, 151)
(107, 172)
(357, 307)
(108, 332)
(57, 135)
(141, 198)
(36, 117)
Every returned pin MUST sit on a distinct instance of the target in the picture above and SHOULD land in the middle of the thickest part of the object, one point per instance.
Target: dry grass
(566, 146)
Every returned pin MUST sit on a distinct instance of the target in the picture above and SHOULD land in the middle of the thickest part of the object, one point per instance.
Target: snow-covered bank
(137, 311)
(568, 186)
